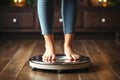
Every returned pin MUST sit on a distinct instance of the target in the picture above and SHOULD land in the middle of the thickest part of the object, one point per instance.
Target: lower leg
(68, 49)
(69, 13)
(45, 9)
(50, 48)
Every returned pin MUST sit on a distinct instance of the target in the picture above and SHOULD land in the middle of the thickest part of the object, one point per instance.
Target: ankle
(67, 46)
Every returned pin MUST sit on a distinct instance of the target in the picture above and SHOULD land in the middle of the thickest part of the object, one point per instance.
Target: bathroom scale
(61, 63)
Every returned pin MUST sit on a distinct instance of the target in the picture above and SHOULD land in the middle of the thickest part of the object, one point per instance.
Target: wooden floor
(104, 54)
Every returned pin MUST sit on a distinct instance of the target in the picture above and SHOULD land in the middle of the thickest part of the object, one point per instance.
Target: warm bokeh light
(100, 0)
(104, 0)
(103, 3)
(15, 1)
(19, 3)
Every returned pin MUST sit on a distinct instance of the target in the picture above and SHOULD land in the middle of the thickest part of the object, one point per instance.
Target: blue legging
(45, 10)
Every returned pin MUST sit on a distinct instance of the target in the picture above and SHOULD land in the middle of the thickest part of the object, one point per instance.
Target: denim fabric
(45, 10)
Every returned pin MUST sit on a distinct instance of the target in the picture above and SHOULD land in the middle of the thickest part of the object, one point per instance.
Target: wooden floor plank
(46, 76)
(27, 73)
(38, 50)
(103, 68)
(91, 74)
(3, 63)
(27, 76)
(8, 76)
(4, 47)
(16, 63)
(9, 48)
(7, 52)
(68, 76)
(110, 51)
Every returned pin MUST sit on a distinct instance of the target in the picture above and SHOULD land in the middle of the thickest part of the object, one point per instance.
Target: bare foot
(71, 54)
(49, 56)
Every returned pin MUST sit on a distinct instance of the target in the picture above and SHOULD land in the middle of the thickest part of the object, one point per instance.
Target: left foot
(71, 54)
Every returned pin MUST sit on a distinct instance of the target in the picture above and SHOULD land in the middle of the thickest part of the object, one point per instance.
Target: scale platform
(61, 63)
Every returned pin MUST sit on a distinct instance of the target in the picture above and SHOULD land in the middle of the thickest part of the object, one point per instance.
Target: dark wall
(4, 2)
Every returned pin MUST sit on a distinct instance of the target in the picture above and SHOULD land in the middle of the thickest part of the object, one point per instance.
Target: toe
(69, 57)
(77, 56)
(73, 57)
(53, 57)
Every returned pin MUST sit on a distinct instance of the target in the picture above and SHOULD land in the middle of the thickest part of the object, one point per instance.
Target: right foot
(48, 56)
